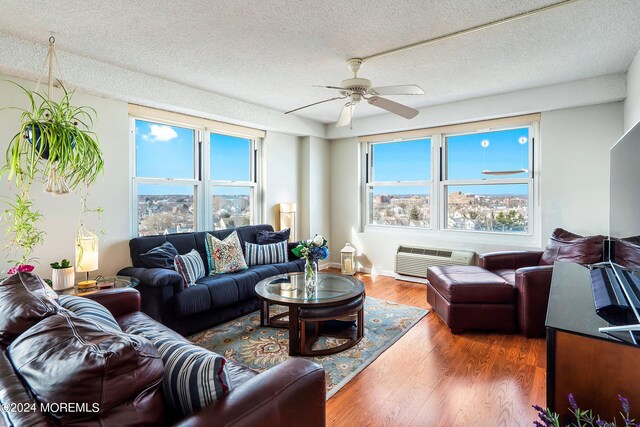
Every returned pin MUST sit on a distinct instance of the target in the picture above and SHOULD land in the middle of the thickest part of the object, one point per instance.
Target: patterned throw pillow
(266, 254)
(264, 237)
(190, 267)
(225, 256)
(160, 257)
(88, 309)
(193, 376)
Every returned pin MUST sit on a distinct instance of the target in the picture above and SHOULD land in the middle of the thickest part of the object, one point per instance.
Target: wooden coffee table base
(306, 326)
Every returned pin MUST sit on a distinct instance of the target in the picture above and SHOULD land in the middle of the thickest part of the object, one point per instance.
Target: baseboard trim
(375, 271)
(411, 279)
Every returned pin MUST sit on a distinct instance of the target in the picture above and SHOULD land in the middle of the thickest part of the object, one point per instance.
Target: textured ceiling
(270, 53)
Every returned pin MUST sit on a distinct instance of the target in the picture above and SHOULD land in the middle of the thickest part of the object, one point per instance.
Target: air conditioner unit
(415, 260)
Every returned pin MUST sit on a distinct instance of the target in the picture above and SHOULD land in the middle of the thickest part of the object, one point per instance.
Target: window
(488, 180)
(231, 181)
(400, 187)
(165, 178)
(471, 177)
(188, 178)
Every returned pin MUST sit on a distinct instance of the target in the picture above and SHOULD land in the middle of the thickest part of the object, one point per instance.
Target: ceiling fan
(356, 89)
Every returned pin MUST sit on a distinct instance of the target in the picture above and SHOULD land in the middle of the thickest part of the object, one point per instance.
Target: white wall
(281, 167)
(632, 103)
(315, 188)
(574, 185)
(111, 192)
(574, 177)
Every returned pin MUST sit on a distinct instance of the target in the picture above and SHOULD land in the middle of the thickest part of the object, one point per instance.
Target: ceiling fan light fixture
(358, 88)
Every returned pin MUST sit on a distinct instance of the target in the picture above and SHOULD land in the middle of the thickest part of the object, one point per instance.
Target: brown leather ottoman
(470, 297)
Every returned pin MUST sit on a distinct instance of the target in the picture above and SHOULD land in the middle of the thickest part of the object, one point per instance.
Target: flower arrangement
(312, 250)
(583, 418)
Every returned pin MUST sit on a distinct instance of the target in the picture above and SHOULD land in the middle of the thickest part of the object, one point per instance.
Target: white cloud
(163, 133)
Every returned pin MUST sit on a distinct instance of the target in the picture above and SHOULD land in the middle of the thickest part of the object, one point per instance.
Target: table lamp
(86, 256)
(288, 219)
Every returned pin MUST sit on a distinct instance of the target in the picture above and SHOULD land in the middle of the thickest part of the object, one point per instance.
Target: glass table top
(103, 283)
(291, 287)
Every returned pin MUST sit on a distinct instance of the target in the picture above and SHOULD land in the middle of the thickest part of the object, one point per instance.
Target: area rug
(243, 340)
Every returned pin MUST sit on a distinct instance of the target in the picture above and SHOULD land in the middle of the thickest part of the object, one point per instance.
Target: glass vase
(310, 277)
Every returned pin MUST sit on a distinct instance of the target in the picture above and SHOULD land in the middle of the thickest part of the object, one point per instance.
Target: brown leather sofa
(127, 388)
(508, 291)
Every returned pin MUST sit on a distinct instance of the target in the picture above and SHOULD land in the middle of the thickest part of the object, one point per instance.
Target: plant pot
(63, 278)
(34, 133)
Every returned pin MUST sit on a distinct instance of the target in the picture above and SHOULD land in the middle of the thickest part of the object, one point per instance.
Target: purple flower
(572, 402)
(625, 404)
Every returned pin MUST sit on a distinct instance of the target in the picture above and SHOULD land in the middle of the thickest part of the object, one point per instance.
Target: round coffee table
(335, 297)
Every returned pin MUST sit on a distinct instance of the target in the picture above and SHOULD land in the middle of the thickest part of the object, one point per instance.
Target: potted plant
(54, 145)
(63, 276)
(54, 139)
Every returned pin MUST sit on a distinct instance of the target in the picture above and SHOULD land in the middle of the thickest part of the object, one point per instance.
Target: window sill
(528, 241)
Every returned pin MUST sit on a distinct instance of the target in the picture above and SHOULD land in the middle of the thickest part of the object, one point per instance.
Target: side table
(110, 282)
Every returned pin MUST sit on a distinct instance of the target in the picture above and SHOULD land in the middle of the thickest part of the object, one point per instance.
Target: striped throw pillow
(88, 309)
(193, 377)
(190, 267)
(274, 253)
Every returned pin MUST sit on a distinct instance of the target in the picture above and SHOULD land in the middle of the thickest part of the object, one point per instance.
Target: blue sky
(468, 156)
(164, 151)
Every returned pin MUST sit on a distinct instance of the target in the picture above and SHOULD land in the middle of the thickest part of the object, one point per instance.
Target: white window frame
(252, 184)
(203, 217)
(438, 195)
(445, 182)
(369, 185)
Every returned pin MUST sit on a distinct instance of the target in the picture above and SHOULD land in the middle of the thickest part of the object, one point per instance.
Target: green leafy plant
(54, 137)
(65, 263)
(22, 231)
(55, 145)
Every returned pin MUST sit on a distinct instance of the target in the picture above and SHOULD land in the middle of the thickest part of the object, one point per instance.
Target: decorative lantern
(348, 259)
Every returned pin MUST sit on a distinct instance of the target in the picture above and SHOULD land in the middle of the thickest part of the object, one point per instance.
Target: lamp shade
(288, 219)
(86, 251)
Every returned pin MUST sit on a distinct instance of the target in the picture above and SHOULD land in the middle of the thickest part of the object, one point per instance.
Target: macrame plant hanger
(55, 184)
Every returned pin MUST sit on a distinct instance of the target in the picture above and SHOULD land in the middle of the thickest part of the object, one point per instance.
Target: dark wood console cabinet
(594, 367)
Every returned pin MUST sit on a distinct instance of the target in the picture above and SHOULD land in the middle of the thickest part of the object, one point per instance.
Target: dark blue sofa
(215, 299)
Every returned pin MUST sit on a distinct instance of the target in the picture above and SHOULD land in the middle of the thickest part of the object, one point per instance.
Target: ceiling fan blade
(397, 90)
(330, 87)
(346, 114)
(315, 103)
(393, 107)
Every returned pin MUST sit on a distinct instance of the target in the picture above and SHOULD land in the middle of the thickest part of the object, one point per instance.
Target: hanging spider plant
(54, 143)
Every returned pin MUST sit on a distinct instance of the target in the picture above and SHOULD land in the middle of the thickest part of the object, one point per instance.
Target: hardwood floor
(431, 377)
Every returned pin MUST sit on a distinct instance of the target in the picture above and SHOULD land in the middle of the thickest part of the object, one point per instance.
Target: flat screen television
(617, 290)
(624, 206)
